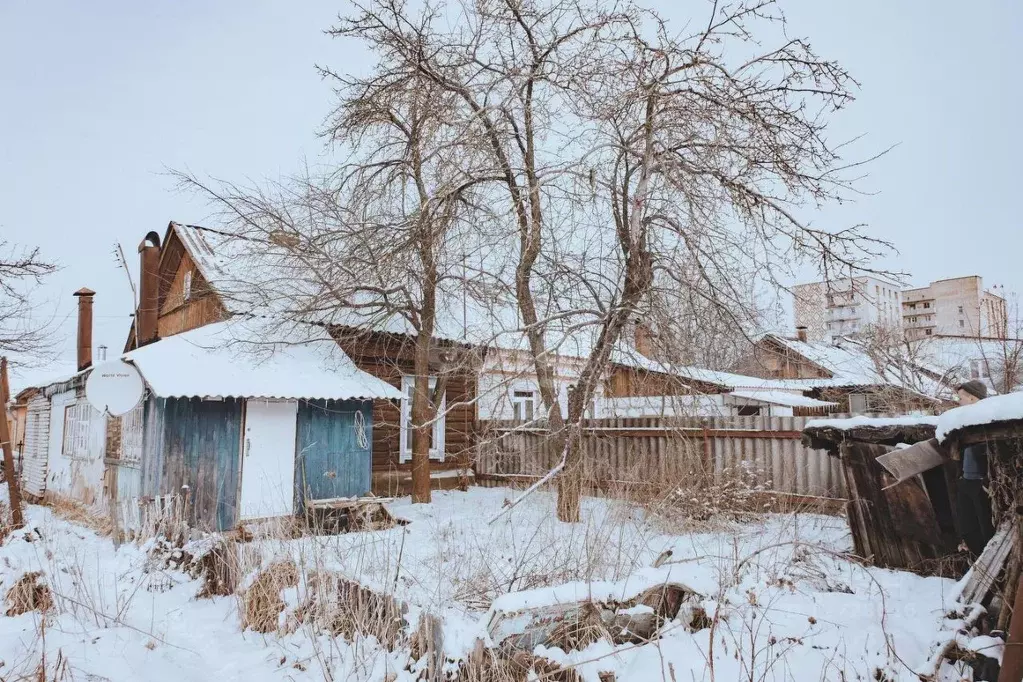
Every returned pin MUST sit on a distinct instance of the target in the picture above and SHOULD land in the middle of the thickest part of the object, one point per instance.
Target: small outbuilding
(243, 428)
(899, 517)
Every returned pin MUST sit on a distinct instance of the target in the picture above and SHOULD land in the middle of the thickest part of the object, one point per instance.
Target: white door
(268, 459)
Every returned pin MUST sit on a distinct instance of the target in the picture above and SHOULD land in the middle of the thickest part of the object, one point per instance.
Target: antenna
(123, 263)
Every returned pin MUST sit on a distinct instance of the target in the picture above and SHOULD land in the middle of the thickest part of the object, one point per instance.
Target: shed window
(408, 386)
(186, 287)
(76, 430)
(857, 403)
(524, 405)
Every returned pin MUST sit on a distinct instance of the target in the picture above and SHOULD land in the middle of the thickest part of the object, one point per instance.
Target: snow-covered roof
(849, 365)
(703, 375)
(31, 376)
(999, 408)
(231, 264)
(878, 422)
(232, 359)
(786, 398)
(953, 355)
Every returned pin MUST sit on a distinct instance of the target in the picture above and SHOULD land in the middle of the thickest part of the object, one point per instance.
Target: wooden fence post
(17, 519)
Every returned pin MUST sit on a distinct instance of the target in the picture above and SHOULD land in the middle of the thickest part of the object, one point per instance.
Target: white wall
(77, 478)
(505, 372)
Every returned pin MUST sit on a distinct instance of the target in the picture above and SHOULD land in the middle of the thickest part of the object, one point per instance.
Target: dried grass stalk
(29, 593)
(262, 602)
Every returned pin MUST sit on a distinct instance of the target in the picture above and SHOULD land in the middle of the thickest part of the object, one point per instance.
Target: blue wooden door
(334, 454)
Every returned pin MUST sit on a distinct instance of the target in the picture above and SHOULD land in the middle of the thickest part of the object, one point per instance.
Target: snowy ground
(790, 606)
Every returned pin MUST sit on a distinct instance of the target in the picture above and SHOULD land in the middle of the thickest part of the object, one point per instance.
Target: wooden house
(847, 374)
(904, 522)
(205, 276)
(238, 427)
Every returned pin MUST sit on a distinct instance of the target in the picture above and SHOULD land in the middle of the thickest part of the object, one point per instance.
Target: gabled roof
(849, 365)
(233, 359)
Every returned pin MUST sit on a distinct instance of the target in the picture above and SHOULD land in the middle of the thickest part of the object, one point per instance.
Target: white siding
(37, 435)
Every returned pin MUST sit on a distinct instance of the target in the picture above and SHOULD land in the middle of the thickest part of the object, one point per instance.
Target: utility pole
(17, 519)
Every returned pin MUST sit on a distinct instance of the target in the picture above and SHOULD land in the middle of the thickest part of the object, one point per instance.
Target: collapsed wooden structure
(908, 524)
(996, 578)
(902, 476)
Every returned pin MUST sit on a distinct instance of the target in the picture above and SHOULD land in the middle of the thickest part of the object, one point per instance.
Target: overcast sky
(97, 99)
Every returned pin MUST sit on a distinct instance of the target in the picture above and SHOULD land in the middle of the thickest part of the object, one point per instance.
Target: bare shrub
(212, 558)
(262, 604)
(344, 607)
(706, 502)
(29, 593)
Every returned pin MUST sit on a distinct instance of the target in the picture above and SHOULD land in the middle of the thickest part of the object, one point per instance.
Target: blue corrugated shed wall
(195, 443)
(333, 461)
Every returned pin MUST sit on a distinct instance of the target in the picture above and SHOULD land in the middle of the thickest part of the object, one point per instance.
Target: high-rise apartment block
(954, 307)
(846, 306)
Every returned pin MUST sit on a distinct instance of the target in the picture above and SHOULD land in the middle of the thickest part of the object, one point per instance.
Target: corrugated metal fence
(659, 452)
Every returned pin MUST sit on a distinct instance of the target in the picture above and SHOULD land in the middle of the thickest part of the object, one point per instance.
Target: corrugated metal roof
(785, 398)
(233, 359)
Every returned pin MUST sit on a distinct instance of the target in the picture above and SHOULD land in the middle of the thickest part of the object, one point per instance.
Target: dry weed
(5, 521)
(262, 603)
(29, 593)
(344, 607)
(218, 567)
(77, 513)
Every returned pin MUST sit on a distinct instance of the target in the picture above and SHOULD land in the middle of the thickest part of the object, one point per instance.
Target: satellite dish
(114, 387)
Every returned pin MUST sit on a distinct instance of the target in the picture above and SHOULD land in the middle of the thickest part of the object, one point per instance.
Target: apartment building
(959, 306)
(846, 306)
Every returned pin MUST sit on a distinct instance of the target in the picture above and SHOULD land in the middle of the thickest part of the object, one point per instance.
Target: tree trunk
(14, 490)
(422, 422)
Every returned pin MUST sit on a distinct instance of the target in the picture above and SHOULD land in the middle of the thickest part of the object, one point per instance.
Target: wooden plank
(989, 565)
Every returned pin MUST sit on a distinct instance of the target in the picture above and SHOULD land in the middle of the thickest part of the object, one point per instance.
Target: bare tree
(22, 269)
(626, 152)
(377, 244)
(999, 357)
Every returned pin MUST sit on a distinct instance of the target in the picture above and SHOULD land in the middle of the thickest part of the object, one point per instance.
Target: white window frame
(980, 369)
(77, 425)
(186, 286)
(408, 383)
(519, 403)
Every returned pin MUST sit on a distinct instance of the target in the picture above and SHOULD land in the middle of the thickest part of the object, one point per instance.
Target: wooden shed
(903, 524)
(247, 431)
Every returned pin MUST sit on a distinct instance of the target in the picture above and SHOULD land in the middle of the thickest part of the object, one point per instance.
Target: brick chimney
(801, 334)
(146, 319)
(643, 339)
(84, 297)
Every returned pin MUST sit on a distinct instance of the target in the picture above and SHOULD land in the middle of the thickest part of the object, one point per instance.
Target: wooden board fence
(656, 452)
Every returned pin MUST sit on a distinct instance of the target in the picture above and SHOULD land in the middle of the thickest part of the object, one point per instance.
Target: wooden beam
(17, 519)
